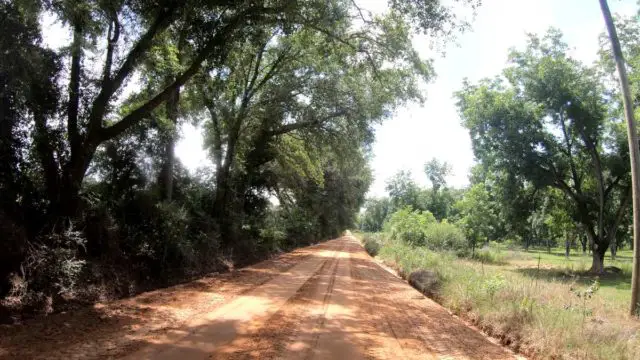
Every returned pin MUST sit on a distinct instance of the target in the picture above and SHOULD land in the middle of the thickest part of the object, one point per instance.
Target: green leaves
(547, 122)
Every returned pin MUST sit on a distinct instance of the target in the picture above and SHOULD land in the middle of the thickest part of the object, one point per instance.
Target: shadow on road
(335, 302)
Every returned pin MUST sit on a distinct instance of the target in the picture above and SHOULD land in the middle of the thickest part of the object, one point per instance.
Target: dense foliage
(552, 160)
(287, 93)
(552, 126)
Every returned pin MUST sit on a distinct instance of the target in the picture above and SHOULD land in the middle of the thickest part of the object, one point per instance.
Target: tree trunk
(223, 189)
(473, 248)
(166, 173)
(594, 248)
(614, 249)
(597, 265)
(634, 152)
(166, 178)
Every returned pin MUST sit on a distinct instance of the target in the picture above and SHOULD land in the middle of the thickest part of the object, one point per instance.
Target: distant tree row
(550, 142)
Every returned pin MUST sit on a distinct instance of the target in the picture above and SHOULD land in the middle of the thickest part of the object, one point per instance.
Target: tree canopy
(547, 121)
(287, 94)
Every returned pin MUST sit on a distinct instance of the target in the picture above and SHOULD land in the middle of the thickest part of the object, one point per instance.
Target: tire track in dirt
(337, 334)
(240, 317)
(422, 323)
(272, 341)
(353, 309)
(112, 330)
(331, 302)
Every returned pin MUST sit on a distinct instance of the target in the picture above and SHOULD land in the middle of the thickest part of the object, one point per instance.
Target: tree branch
(567, 139)
(98, 109)
(251, 79)
(74, 87)
(613, 184)
(44, 152)
(359, 9)
(217, 139)
(219, 40)
(304, 124)
(562, 185)
(374, 67)
(597, 167)
(272, 70)
(619, 214)
(112, 39)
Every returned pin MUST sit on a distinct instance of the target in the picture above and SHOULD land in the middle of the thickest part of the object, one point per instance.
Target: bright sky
(418, 133)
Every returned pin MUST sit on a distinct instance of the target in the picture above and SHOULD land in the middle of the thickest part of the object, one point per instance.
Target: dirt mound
(425, 281)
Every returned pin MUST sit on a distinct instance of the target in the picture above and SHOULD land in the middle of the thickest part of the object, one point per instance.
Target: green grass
(528, 299)
(556, 267)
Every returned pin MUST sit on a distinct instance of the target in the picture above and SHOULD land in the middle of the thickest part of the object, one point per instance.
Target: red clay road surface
(329, 301)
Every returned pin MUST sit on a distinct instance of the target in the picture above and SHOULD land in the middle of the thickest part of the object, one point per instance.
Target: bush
(421, 229)
(53, 262)
(489, 255)
(166, 241)
(444, 237)
(409, 226)
(408, 258)
(511, 244)
(49, 273)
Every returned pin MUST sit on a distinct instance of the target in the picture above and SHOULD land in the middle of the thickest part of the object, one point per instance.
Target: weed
(523, 302)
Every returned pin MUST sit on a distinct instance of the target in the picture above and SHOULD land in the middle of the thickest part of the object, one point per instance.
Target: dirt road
(330, 301)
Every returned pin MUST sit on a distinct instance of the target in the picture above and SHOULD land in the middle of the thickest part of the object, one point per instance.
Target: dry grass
(533, 308)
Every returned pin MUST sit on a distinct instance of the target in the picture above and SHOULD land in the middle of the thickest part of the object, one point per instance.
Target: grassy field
(554, 266)
(542, 304)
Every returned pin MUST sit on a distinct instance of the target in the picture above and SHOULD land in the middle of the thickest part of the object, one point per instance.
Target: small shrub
(50, 273)
(584, 296)
(494, 284)
(272, 238)
(421, 229)
(52, 262)
(409, 258)
(511, 244)
(409, 226)
(490, 256)
(444, 237)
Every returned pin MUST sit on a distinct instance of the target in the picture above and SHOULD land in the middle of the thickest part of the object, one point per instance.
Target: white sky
(418, 133)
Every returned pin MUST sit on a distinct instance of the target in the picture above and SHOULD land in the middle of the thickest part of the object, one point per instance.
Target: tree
(375, 214)
(403, 191)
(514, 200)
(288, 93)
(212, 29)
(477, 217)
(437, 173)
(561, 219)
(439, 200)
(276, 91)
(549, 124)
(634, 152)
